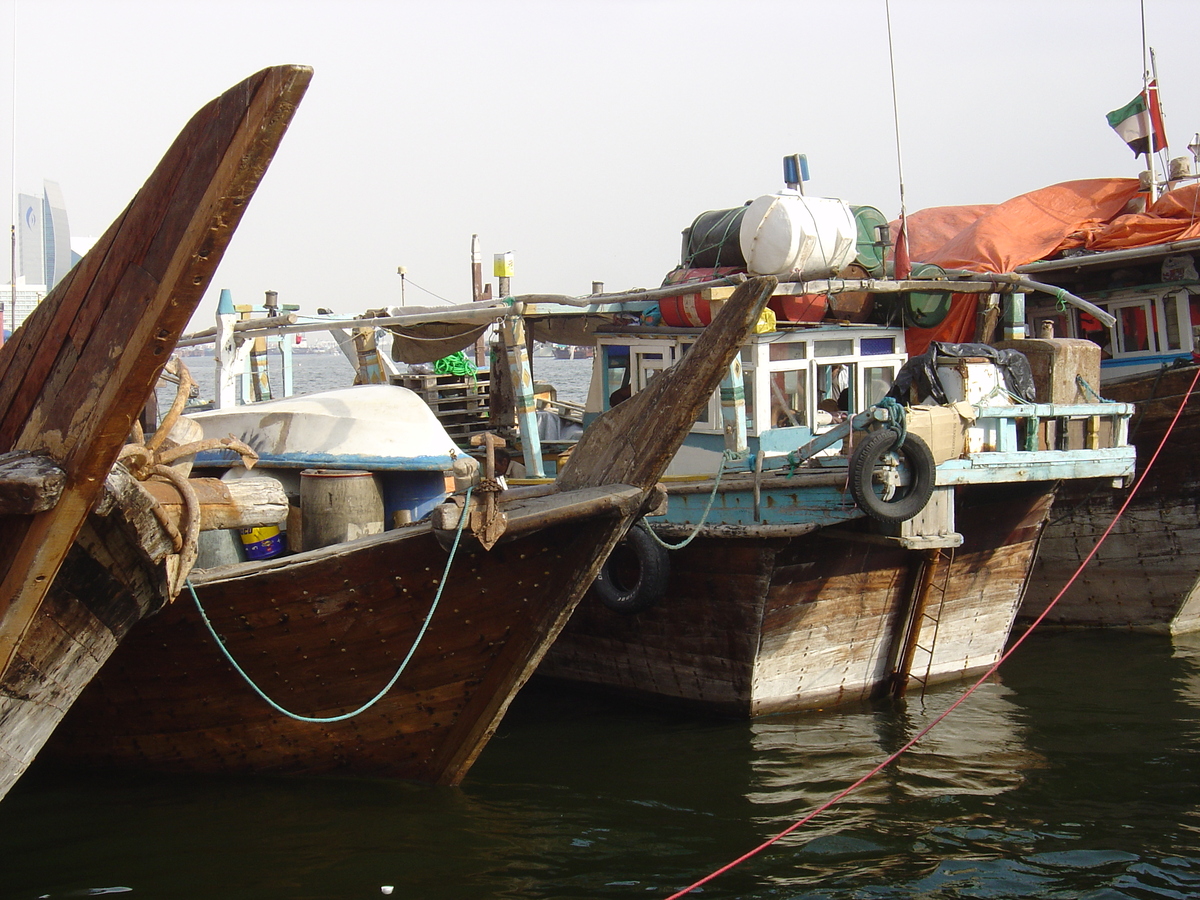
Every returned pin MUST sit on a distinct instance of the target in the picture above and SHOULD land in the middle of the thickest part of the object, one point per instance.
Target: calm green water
(1076, 774)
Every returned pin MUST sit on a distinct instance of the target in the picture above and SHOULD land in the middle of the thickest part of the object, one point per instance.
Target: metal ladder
(933, 578)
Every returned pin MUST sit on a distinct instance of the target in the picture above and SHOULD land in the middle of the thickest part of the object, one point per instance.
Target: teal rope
(896, 419)
(727, 456)
(387, 687)
(1087, 389)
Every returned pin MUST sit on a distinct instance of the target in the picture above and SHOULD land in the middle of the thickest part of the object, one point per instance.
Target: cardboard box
(943, 428)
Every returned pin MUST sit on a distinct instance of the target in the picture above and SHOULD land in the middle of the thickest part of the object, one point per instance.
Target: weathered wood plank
(242, 503)
(74, 378)
(29, 483)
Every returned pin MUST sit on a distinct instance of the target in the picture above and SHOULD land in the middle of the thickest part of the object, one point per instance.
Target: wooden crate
(461, 404)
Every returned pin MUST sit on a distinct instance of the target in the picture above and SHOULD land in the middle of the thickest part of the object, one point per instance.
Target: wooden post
(1014, 317)
(733, 408)
(226, 353)
(370, 371)
(513, 331)
(285, 352)
(502, 407)
(480, 293)
(260, 376)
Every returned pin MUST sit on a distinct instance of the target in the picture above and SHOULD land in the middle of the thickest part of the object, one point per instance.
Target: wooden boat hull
(1146, 575)
(168, 700)
(751, 626)
(113, 576)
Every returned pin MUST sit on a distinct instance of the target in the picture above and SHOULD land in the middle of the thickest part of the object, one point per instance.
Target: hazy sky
(582, 136)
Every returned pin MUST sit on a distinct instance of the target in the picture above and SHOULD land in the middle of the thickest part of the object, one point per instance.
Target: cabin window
(880, 346)
(835, 387)
(877, 381)
(834, 348)
(1172, 313)
(616, 375)
(1091, 329)
(747, 357)
(781, 351)
(1134, 330)
(789, 398)
(1193, 318)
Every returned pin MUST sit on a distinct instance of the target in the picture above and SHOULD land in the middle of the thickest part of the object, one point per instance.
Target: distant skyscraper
(44, 253)
(31, 260)
(56, 234)
(43, 237)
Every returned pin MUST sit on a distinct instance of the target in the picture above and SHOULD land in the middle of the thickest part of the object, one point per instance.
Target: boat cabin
(796, 383)
(1153, 295)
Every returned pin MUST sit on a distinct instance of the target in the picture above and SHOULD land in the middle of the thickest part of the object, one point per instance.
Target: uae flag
(1139, 121)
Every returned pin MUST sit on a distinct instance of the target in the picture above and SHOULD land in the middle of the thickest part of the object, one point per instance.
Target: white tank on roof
(787, 233)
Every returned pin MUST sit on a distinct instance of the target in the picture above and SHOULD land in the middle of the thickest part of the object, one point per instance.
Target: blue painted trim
(779, 506)
(1143, 360)
(332, 461)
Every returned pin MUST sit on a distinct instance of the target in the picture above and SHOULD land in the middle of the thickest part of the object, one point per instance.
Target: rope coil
(896, 419)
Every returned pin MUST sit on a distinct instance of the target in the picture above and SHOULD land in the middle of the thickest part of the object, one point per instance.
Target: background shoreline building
(43, 254)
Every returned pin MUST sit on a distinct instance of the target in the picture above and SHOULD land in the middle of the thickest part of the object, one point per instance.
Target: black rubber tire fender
(634, 577)
(916, 457)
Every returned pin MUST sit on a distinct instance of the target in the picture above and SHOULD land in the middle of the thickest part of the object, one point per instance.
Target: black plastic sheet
(920, 372)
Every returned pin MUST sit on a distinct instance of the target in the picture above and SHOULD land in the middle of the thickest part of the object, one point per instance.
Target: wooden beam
(29, 483)
(243, 503)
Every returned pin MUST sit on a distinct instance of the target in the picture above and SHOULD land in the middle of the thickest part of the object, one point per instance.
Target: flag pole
(1148, 111)
(1161, 118)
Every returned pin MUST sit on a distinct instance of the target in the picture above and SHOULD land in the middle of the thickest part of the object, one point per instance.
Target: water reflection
(1074, 776)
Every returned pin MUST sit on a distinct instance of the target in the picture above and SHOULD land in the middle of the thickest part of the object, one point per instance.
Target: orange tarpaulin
(1175, 217)
(1031, 226)
(1037, 225)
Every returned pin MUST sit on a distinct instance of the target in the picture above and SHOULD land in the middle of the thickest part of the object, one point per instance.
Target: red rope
(971, 690)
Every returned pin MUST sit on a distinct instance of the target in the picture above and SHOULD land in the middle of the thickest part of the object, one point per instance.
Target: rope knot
(896, 418)
(146, 459)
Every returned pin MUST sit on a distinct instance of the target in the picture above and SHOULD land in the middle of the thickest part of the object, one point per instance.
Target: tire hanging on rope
(634, 577)
(907, 500)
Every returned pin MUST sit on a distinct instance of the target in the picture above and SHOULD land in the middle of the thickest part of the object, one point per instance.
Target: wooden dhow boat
(1133, 257)
(1142, 269)
(814, 558)
(73, 380)
(382, 654)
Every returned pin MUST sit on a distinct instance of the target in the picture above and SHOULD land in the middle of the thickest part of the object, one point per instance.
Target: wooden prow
(75, 375)
(609, 448)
